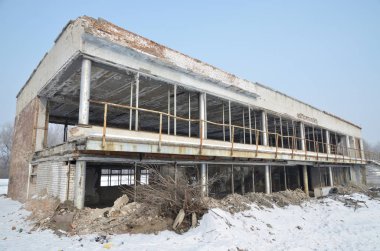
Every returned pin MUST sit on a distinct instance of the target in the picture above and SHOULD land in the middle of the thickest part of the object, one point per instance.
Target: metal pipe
(267, 180)
(80, 184)
(85, 81)
(137, 78)
(285, 178)
(305, 180)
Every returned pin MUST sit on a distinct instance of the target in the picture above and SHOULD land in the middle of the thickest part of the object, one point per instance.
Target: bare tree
(6, 137)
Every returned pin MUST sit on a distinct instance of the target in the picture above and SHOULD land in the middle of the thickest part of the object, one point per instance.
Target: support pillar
(328, 148)
(265, 128)
(203, 180)
(305, 180)
(242, 180)
(175, 109)
(361, 145)
(137, 82)
(202, 115)
(267, 180)
(348, 145)
(42, 124)
(84, 103)
(80, 184)
(202, 134)
(83, 118)
(331, 177)
(253, 179)
(302, 128)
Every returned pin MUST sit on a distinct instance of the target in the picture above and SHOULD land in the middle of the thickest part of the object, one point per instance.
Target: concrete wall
(22, 150)
(65, 48)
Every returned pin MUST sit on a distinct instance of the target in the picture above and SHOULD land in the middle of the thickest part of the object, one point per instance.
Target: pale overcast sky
(325, 53)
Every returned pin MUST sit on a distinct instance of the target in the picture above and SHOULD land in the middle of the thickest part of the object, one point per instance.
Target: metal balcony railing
(329, 151)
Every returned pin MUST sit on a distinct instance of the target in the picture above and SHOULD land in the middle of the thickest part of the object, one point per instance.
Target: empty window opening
(117, 177)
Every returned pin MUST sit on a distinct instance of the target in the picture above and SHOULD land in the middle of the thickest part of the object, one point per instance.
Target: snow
(3, 186)
(323, 224)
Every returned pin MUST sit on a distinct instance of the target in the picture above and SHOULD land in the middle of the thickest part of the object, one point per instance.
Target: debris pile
(164, 209)
(236, 203)
(356, 188)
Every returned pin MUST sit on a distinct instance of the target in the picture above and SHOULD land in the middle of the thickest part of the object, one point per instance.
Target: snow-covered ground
(3, 186)
(317, 225)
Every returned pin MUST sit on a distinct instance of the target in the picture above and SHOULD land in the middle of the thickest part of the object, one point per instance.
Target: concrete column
(328, 148)
(268, 184)
(204, 180)
(84, 104)
(352, 174)
(175, 109)
(348, 145)
(232, 179)
(242, 180)
(137, 82)
(42, 124)
(253, 179)
(305, 180)
(302, 128)
(202, 114)
(331, 176)
(80, 184)
(265, 128)
(362, 149)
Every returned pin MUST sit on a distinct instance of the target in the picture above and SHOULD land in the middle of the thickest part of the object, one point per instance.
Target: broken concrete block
(178, 220)
(321, 191)
(123, 200)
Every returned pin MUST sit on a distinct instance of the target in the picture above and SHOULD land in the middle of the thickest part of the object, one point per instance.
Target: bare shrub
(169, 196)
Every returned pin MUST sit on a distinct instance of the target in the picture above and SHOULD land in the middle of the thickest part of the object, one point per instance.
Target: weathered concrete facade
(132, 102)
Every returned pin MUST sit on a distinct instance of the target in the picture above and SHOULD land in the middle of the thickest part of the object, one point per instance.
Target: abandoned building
(128, 104)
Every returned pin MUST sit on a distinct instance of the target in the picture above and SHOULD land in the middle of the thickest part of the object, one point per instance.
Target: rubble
(355, 188)
(139, 217)
(236, 203)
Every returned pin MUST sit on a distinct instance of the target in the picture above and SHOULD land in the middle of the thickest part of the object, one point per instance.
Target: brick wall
(56, 179)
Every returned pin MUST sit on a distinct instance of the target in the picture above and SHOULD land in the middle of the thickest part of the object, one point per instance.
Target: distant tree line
(6, 137)
(55, 136)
